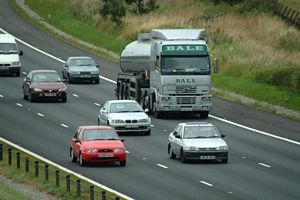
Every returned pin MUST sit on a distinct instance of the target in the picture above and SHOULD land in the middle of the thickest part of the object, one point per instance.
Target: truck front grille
(186, 100)
(186, 89)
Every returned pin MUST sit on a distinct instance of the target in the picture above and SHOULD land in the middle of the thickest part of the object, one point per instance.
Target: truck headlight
(165, 99)
(205, 98)
(17, 63)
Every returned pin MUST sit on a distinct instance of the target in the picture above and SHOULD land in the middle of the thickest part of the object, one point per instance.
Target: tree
(116, 9)
(142, 6)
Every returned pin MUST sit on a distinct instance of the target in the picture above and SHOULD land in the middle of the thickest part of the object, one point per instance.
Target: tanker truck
(167, 71)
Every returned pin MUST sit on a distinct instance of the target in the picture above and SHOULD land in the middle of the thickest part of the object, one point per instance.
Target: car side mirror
(77, 140)
(177, 136)
(122, 140)
(97, 66)
(27, 80)
(222, 135)
(146, 110)
(21, 53)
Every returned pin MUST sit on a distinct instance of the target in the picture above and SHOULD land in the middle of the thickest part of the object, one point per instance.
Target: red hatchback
(94, 144)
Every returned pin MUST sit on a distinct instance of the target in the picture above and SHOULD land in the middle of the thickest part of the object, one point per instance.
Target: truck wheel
(204, 114)
(18, 73)
(156, 113)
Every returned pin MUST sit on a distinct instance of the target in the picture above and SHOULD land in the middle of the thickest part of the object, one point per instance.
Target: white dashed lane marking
(265, 165)
(64, 125)
(1, 96)
(24, 73)
(97, 104)
(40, 114)
(75, 95)
(206, 183)
(18, 104)
(163, 166)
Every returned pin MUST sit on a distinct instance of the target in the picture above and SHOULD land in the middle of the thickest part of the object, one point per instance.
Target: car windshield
(192, 132)
(82, 62)
(100, 134)
(46, 77)
(8, 48)
(125, 107)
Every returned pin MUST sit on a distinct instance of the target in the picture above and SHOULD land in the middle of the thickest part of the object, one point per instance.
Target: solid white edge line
(65, 169)
(64, 125)
(255, 130)
(217, 118)
(265, 165)
(206, 183)
(163, 166)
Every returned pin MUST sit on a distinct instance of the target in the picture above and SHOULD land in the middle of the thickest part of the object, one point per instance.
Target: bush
(116, 9)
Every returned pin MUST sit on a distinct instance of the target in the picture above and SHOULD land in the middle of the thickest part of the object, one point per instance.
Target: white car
(125, 116)
(197, 141)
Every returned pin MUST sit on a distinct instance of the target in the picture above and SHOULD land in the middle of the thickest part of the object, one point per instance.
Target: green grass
(7, 193)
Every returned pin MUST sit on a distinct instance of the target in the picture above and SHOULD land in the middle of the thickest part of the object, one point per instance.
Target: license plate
(186, 109)
(106, 155)
(207, 157)
(132, 126)
(3, 68)
(50, 94)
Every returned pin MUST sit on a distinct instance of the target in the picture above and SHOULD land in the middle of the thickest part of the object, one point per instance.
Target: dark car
(44, 84)
(80, 68)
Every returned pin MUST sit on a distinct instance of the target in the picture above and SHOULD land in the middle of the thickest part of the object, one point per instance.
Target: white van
(9, 55)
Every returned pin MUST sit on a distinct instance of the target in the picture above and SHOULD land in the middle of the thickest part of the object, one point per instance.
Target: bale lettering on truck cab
(167, 70)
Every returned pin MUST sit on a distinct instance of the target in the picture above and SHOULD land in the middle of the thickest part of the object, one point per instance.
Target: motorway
(260, 166)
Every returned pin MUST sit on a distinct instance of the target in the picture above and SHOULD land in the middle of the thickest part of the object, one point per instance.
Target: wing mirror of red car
(76, 140)
(27, 80)
(122, 140)
(64, 80)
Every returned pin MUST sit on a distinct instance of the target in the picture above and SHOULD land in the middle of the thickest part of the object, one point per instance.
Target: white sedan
(197, 141)
(125, 116)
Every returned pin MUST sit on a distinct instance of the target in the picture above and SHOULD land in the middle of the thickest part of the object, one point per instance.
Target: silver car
(125, 116)
(197, 141)
(80, 68)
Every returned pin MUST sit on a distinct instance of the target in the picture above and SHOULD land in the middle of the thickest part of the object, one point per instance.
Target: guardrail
(35, 166)
(291, 16)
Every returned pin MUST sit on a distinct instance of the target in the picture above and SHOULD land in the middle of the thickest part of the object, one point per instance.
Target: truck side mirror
(21, 53)
(216, 65)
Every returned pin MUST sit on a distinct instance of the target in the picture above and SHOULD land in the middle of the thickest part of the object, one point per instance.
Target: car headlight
(190, 148)
(95, 72)
(118, 150)
(205, 98)
(146, 120)
(37, 90)
(16, 63)
(117, 121)
(62, 89)
(91, 150)
(222, 148)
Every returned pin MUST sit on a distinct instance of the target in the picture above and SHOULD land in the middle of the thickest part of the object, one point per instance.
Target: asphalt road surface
(260, 166)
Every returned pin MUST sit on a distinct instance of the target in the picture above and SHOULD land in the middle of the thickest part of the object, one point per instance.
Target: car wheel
(147, 132)
(98, 121)
(18, 73)
(204, 114)
(64, 99)
(123, 163)
(72, 156)
(69, 79)
(97, 81)
(25, 96)
(182, 157)
(170, 151)
(225, 160)
(81, 161)
(30, 97)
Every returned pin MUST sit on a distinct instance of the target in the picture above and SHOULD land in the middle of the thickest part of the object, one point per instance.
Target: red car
(94, 144)
(44, 84)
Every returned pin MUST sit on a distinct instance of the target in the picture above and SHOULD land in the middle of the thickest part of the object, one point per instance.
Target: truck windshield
(8, 48)
(185, 65)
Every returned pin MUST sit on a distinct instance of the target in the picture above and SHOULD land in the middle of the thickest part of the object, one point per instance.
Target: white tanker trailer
(166, 71)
